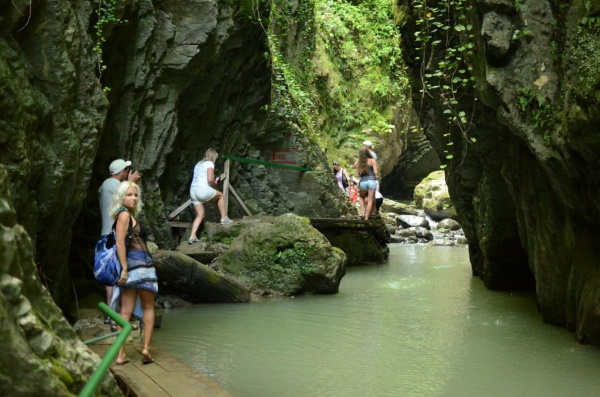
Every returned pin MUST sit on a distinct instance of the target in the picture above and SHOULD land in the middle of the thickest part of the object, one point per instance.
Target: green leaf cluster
(360, 74)
(340, 74)
(106, 17)
(446, 43)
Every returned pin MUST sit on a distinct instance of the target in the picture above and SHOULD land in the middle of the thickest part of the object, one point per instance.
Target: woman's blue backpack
(107, 268)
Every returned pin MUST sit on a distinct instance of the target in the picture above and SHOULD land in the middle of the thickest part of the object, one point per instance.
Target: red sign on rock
(288, 153)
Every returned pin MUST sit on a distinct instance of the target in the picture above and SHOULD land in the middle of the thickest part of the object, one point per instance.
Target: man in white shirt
(369, 145)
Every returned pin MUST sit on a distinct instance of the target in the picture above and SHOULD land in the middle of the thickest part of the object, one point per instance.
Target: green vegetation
(359, 70)
(340, 77)
(284, 272)
(106, 17)
(584, 55)
(447, 42)
(529, 101)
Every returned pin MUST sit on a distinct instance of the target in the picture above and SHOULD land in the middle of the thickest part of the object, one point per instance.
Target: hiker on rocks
(202, 192)
(369, 146)
(120, 170)
(353, 190)
(342, 176)
(366, 168)
(378, 200)
(138, 274)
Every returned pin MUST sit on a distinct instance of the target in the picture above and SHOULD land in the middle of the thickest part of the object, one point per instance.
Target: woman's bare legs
(128, 297)
(220, 204)
(109, 292)
(361, 202)
(197, 221)
(370, 202)
(147, 299)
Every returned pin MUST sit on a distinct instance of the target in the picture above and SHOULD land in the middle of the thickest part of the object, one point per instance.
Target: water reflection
(419, 326)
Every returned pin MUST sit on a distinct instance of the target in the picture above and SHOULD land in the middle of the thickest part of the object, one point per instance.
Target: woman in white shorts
(202, 192)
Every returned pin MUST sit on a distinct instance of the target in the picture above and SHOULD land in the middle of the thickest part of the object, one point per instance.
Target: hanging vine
(106, 17)
(444, 71)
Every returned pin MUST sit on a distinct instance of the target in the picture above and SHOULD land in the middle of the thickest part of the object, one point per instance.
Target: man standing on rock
(369, 145)
(120, 170)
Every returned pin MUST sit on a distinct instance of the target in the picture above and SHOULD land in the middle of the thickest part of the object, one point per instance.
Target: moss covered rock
(432, 195)
(195, 281)
(284, 255)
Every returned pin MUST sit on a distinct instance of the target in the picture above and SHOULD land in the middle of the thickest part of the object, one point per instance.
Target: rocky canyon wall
(173, 79)
(508, 94)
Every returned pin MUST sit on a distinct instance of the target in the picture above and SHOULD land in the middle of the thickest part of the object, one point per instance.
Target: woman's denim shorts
(368, 185)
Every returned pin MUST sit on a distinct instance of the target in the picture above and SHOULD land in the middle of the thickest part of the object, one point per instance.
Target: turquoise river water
(420, 325)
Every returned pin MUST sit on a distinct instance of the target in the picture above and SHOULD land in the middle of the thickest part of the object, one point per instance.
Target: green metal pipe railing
(266, 163)
(110, 356)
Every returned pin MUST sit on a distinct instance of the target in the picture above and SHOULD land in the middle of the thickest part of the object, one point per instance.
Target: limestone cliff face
(175, 79)
(523, 158)
(52, 113)
(41, 355)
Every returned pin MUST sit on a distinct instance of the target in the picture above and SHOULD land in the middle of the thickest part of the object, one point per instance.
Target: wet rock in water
(423, 233)
(391, 228)
(432, 195)
(406, 233)
(407, 221)
(398, 208)
(196, 281)
(171, 301)
(448, 224)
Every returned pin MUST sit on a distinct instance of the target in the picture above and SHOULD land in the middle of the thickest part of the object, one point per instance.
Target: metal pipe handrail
(266, 163)
(98, 375)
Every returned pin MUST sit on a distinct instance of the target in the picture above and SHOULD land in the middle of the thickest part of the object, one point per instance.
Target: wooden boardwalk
(166, 376)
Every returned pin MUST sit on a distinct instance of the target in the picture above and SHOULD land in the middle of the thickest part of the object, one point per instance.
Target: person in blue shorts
(366, 168)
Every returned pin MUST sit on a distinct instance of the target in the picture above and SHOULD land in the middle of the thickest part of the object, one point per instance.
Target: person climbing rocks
(202, 191)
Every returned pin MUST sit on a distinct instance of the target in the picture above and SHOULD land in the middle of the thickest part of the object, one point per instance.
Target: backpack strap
(130, 230)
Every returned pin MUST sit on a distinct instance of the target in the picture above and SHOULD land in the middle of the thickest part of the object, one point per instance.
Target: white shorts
(202, 194)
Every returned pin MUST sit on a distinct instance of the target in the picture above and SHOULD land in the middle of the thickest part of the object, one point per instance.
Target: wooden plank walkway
(166, 376)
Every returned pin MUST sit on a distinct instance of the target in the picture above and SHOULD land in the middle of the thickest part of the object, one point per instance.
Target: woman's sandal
(113, 327)
(146, 357)
(122, 362)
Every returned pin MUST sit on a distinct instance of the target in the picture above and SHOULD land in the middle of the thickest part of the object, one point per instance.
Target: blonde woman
(138, 275)
(202, 191)
(366, 168)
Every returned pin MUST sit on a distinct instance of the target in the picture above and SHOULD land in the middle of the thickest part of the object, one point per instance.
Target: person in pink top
(341, 175)
(352, 191)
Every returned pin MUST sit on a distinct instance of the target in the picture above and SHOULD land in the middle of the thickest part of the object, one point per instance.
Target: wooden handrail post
(226, 187)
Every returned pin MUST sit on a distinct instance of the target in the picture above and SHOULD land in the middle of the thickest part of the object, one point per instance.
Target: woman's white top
(201, 174)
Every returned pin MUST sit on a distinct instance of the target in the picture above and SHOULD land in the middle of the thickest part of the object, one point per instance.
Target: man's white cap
(368, 143)
(118, 165)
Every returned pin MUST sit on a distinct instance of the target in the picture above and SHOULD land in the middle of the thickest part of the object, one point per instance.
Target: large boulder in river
(195, 281)
(432, 195)
(397, 207)
(406, 221)
(283, 255)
